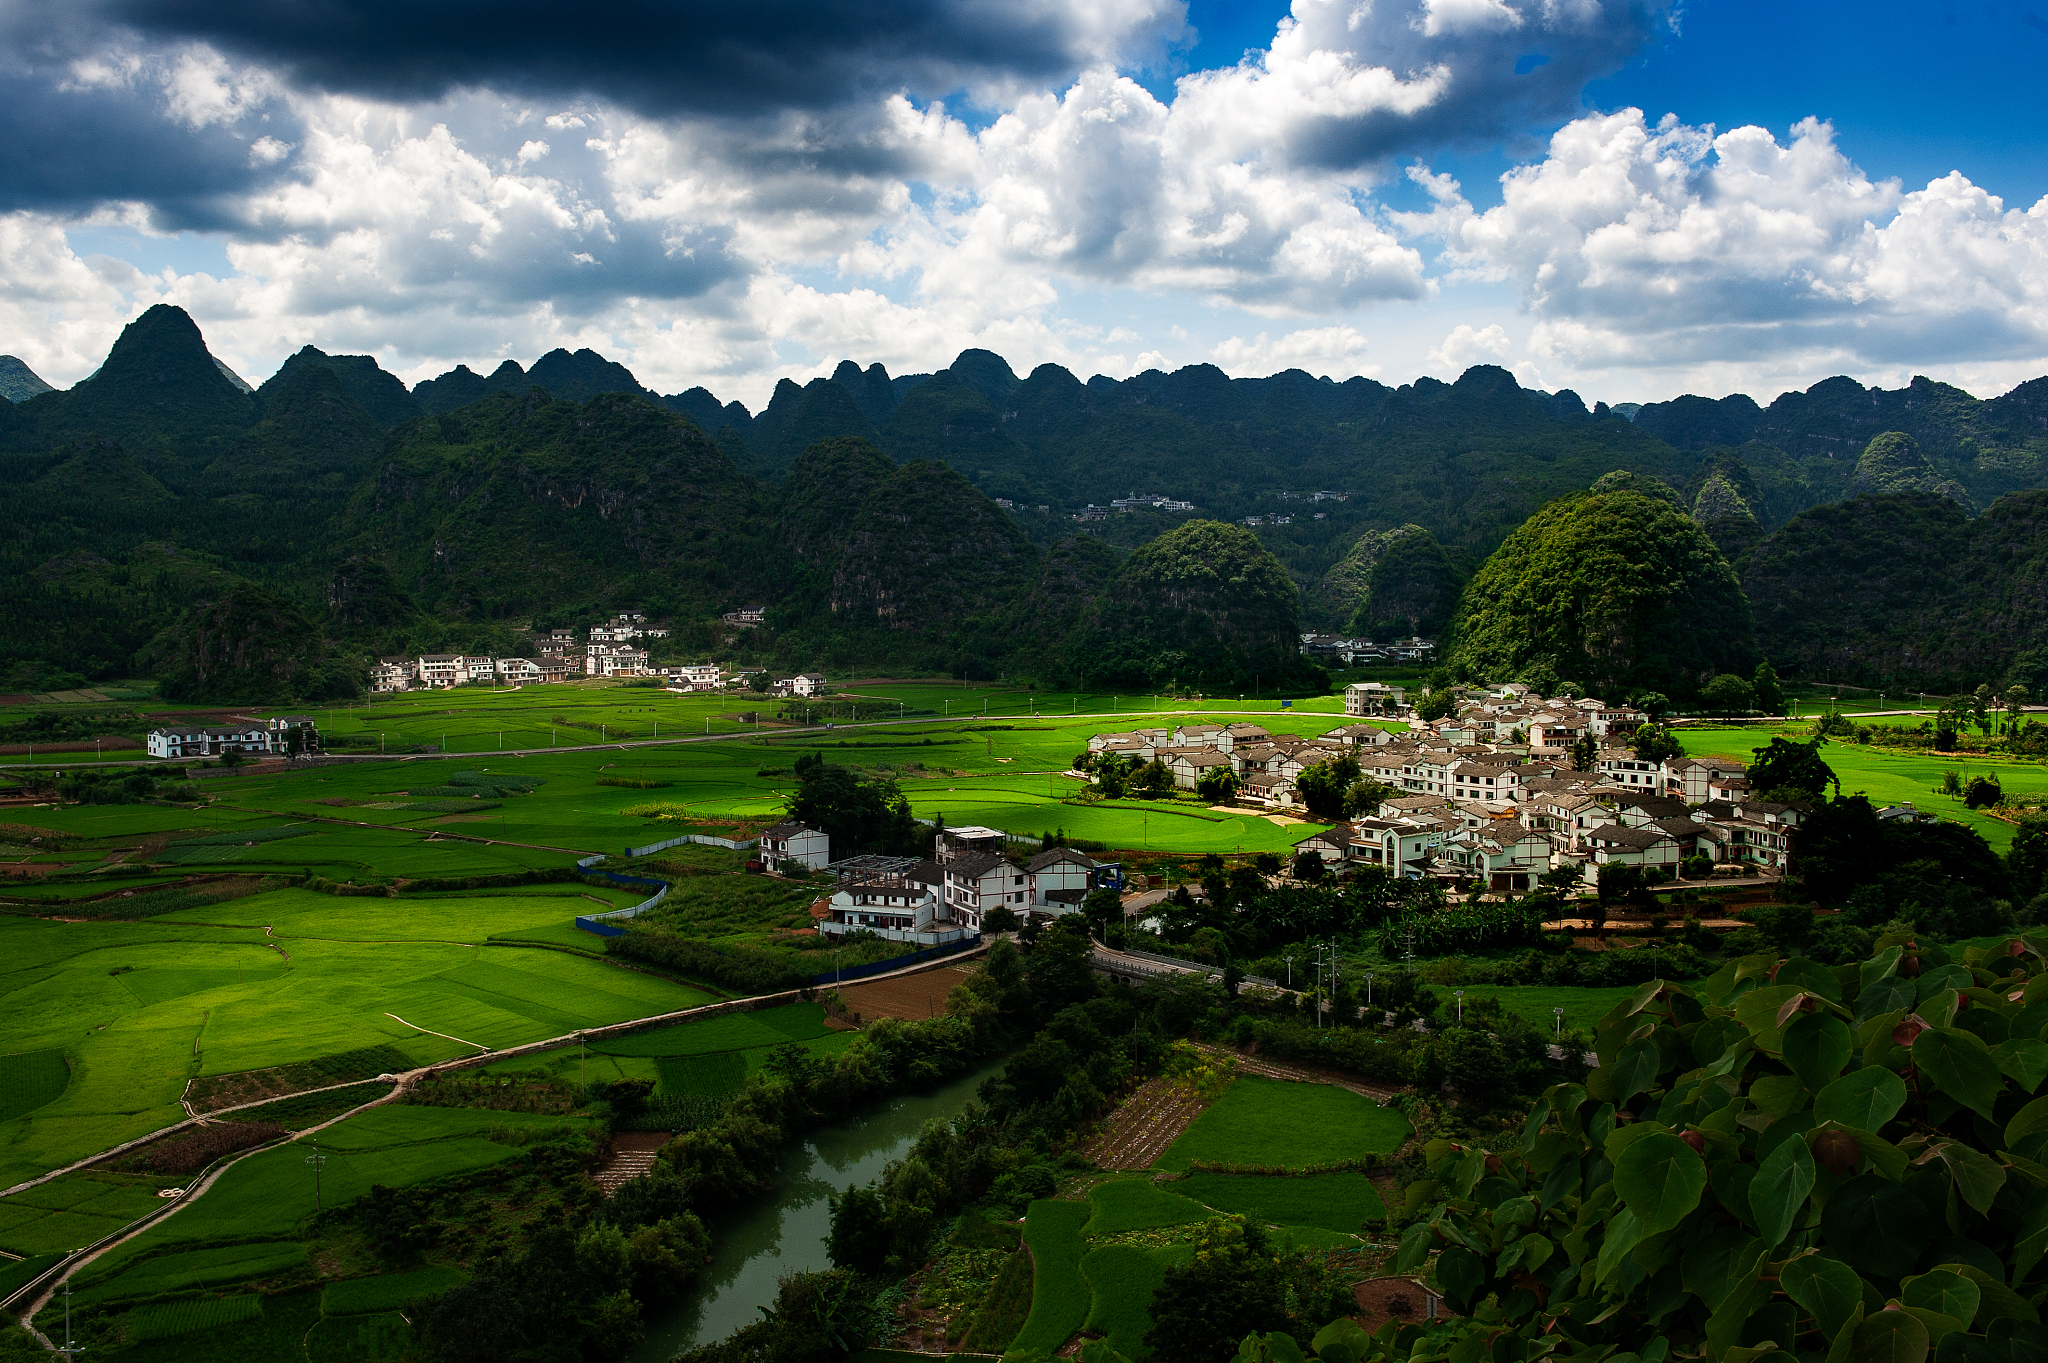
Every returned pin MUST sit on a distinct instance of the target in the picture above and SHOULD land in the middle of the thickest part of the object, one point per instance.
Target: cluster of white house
(940, 899)
(1491, 793)
(558, 656)
(286, 734)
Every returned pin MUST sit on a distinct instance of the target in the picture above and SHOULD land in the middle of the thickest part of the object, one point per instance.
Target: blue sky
(732, 195)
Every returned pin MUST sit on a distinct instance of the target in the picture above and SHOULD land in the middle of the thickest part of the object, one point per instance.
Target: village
(607, 651)
(1508, 789)
(1509, 792)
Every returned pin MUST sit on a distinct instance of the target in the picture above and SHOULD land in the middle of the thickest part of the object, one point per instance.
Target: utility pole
(316, 1159)
(69, 1350)
(581, 1071)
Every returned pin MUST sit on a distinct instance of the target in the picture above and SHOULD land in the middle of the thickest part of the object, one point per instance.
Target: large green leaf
(1875, 1226)
(1826, 1289)
(1943, 1291)
(1812, 976)
(1978, 1177)
(1817, 1045)
(1884, 996)
(2024, 1061)
(1866, 1099)
(1779, 1191)
(1623, 1234)
(1890, 1336)
(1461, 1274)
(2030, 1120)
(1717, 1261)
(1635, 1070)
(1961, 1065)
(1997, 1299)
(1660, 1179)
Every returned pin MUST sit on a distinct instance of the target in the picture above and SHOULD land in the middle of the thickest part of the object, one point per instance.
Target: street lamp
(1368, 989)
(1557, 1029)
(1461, 1003)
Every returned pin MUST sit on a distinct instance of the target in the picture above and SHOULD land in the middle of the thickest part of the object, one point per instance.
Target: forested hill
(1467, 461)
(859, 508)
(263, 546)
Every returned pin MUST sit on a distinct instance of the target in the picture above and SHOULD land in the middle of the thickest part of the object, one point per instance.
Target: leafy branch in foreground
(1784, 1162)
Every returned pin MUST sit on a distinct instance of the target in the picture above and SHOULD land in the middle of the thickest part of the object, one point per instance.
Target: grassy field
(1060, 1297)
(1275, 1122)
(1890, 778)
(1343, 1202)
(1583, 1006)
(386, 1291)
(137, 1009)
(710, 1058)
(1137, 1204)
(247, 1227)
(1121, 1280)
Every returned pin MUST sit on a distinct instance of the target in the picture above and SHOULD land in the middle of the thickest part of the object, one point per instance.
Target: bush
(749, 972)
(1818, 1230)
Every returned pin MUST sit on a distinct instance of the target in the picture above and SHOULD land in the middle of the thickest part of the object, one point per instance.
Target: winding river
(784, 1230)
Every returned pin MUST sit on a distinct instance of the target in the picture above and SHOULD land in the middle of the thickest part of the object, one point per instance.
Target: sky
(1633, 199)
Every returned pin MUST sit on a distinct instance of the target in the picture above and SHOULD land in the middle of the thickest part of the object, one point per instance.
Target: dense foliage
(1906, 589)
(1610, 590)
(1786, 1156)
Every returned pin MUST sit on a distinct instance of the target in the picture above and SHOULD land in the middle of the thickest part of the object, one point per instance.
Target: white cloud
(533, 151)
(1467, 345)
(1338, 352)
(1466, 16)
(1640, 246)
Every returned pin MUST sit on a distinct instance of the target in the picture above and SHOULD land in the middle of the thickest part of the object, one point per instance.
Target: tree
(1770, 694)
(761, 683)
(859, 813)
(1216, 784)
(2015, 703)
(1982, 792)
(1103, 909)
(1152, 780)
(1002, 918)
(1365, 796)
(1790, 768)
(1654, 743)
(1435, 704)
(1585, 752)
(1322, 786)
(1980, 707)
(1728, 695)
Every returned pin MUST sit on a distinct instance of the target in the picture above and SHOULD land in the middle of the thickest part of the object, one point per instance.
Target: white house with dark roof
(1692, 779)
(1624, 768)
(1059, 878)
(209, 741)
(795, 844)
(979, 882)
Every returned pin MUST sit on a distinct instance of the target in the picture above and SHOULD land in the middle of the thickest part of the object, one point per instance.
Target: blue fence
(595, 922)
(858, 972)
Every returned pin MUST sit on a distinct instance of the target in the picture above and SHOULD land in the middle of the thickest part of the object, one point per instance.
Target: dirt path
(431, 1032)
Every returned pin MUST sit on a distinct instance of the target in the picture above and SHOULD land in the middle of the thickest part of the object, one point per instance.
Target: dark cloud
(1502, 81)
(663, 58)
(69, 149)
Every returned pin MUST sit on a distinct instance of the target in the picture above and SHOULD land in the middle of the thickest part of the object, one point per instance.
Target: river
(784, 1230)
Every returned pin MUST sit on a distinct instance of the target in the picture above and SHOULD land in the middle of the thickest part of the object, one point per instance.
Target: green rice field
(1288, 1125)
(1891, 778)
(130, 1011)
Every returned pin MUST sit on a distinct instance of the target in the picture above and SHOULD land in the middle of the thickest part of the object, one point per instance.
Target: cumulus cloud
(1336, 351)
(1636, 244)
(1467, 345)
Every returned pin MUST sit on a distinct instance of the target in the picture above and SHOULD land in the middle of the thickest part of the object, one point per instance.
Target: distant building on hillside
(746, 617)
(209, 741)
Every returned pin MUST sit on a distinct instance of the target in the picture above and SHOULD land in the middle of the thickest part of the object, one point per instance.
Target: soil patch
(922, 995)
(1144, 1124)
(1404, 1299)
